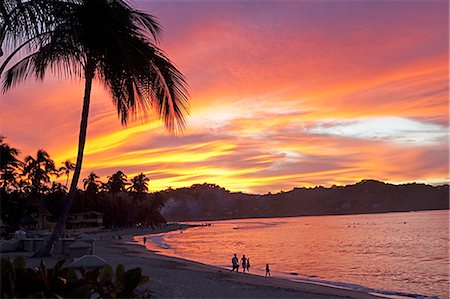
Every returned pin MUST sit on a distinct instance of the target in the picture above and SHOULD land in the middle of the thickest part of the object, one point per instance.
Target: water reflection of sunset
(276, 101)
(368, 250)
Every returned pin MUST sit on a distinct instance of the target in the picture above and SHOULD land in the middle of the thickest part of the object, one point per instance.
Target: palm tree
(9, 163)
(117, 183)
(91, 184)
(106, 40)
(38, 170)
(139, 184)
(67, 167)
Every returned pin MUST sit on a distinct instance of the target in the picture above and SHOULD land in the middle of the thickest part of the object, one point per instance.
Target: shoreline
(256, 286)
(318, 215)
(173, 277)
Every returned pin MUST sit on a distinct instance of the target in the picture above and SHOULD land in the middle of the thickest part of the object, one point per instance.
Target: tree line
(30, 186)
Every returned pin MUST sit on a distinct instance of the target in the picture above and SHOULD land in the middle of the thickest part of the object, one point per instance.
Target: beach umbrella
(89, 262)
(79, 244)
(85, 237)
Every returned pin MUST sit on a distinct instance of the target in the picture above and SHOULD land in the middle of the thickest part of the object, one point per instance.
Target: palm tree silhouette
(139, 187)
(103, 39)
(91, 184)
(38, 170)
(139, 184)
(117, 183)
(9, 163)
(67, 167)
(91, 179)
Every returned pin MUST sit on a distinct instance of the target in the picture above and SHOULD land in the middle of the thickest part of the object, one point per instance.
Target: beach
(178, 278)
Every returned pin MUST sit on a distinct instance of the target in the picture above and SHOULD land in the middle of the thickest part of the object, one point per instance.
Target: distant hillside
(211, 202)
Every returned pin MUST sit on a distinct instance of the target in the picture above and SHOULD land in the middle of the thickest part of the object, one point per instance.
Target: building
(90, 219)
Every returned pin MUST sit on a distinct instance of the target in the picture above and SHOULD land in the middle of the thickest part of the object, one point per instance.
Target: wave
(159, 241)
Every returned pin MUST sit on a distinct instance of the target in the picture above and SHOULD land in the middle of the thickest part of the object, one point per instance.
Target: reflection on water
(399, 252)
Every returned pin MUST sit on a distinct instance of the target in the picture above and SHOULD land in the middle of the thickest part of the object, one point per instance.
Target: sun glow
(276, 103)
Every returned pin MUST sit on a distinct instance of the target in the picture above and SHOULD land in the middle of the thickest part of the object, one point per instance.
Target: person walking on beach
(244, 263)
(248, 264)
(235, 263)
(145, 240)
(267, 270)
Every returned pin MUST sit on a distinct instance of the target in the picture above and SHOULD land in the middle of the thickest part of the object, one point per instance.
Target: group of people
(245, 263)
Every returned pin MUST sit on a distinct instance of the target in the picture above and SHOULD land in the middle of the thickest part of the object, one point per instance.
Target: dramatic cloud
(284, 94)
(394, 129)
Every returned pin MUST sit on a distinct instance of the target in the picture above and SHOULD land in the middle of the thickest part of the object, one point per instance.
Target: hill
(211, 202)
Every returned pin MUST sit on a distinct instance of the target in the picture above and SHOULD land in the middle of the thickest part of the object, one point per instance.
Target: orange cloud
(260, 84)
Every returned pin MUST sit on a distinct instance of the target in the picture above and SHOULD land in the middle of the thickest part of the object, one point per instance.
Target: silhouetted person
(235, 263)
(244, 263)
(248, 264)
(267, 270)
(145, 240)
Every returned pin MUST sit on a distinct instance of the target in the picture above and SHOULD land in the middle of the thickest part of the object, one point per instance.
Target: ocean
(395, 254)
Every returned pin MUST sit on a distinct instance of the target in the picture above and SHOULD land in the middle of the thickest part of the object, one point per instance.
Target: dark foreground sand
(178, 278)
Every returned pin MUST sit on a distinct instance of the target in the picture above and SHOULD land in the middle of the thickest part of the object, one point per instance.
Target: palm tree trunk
(46, 249)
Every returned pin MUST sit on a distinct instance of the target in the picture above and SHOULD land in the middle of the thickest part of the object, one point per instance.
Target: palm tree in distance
(67, 167)
(39, 169)
(107, 40)
(138, 189)
(91, 179)
(139, 184)
(117, 183)
(8, 163)
(91, 184)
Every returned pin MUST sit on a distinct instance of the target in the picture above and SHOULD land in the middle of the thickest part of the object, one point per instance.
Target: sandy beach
(178, 278)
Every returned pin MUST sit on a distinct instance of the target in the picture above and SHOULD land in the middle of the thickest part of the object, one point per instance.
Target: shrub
(59, 282)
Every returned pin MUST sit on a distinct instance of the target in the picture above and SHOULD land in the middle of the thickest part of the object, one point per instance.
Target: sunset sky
(283, 94)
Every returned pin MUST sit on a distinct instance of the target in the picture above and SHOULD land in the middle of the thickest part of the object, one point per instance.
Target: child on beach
(248, 264)
(267, 270)
(145, 240)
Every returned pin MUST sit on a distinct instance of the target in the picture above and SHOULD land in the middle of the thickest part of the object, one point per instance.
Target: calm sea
(401, 254)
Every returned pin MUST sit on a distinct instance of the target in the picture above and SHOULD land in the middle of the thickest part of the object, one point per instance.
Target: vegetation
(9, 163)
(33, 189)
(211, 202)
(106, 40)
(67, 167)
(17, 281)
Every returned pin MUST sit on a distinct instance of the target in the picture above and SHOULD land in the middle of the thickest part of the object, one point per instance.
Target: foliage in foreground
(17, 281)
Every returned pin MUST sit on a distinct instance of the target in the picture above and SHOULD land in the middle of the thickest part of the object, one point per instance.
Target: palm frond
(62, 35)
(23, 20)
(146, 21)
(19, 72)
